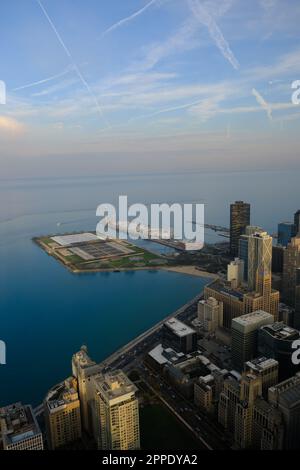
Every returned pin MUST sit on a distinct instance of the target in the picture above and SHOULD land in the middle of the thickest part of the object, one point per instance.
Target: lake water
(47, 313)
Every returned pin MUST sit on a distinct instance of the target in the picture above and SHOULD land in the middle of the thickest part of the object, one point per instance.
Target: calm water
(46, 313)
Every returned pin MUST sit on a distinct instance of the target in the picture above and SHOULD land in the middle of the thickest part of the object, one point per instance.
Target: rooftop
(114, 385)
(253, 318)
(178, 327)
(18, 423)
(281, 331)
(62, 394)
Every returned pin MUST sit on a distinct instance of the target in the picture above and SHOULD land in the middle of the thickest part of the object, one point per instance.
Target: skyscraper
(286, 397)
(83, 369)
(291, 262)
(62, 414)
(275, 341)
(235, 272)
(19, 429)
(239, 219)
(297, 221)
(297, 301)
(116, 412)
(286, 231)
(245, 334)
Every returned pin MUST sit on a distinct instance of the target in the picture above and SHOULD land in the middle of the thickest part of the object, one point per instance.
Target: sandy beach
(192, 270)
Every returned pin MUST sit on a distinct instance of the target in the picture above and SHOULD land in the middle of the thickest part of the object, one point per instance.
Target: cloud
(74, 65)
(216, 34)
(10, 126)
(262, 102)
(129, 18)
(45, 80)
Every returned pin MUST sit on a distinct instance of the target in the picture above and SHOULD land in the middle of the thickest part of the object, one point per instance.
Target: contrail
(262, 102)
(76, 68)
(216, 34)
(45, 80)
(129, 18)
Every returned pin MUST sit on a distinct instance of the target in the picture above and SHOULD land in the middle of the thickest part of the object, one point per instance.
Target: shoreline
(190, 270)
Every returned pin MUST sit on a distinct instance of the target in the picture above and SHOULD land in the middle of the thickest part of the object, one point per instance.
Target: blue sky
(148, 85)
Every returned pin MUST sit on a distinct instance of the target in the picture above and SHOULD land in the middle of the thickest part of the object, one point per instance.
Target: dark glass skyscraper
(297, 221)
(239, 219)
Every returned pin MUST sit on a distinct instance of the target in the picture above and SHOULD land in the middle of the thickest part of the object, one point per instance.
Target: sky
(103, 87)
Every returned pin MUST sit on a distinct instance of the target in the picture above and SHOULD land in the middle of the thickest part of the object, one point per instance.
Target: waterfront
(47, 312)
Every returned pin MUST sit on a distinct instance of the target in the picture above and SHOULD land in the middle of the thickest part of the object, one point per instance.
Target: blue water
(47, 313)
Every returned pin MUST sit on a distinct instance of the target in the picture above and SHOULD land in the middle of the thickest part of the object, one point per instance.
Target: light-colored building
(235, 272)
(84, 369)
(245, 336)
(259, 259)
(116, 412)
(19, 429)
(240, 301)
(210, 314)
(62, 414)
(265, 368)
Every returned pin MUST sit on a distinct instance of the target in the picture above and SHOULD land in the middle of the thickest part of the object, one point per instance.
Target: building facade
(239, 219)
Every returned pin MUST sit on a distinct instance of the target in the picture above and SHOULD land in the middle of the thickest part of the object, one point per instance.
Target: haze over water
(46, 313)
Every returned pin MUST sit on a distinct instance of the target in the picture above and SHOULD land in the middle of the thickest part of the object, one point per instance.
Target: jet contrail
(45, 80)
(216, 34)
(262, 102)
(129, 18)
(76, 68)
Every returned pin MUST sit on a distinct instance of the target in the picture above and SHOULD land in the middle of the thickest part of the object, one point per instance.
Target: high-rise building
(291, 263)
(235, 272)
(267, 426)
(259, 260)
(275, 341)
(285, 396)
(286, 231)
(237, 302)
(244, 336)
(84, 369)
(239, 219)
(297, 221)
(116, 412)
(62, 414)
(297, 301)
(243, 246)
(179, 336)
(277, 258)
(266, 369)
(210, 314)
(19, 429)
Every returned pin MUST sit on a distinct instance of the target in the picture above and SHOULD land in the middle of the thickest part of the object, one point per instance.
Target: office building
(267, 426)
(291, 263)
(178, 336)
(237, 302)
(275, 341)
(277, 258)
(266, 369)
(19, 429)
(62, 414)
(210, 314)
(84, 369)
(116, 412)
(285, 396)
(235, 272)
(296, 322)
(239, 219)
(259, 260)
(244, 336)
(286, 231)
(297, 221)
